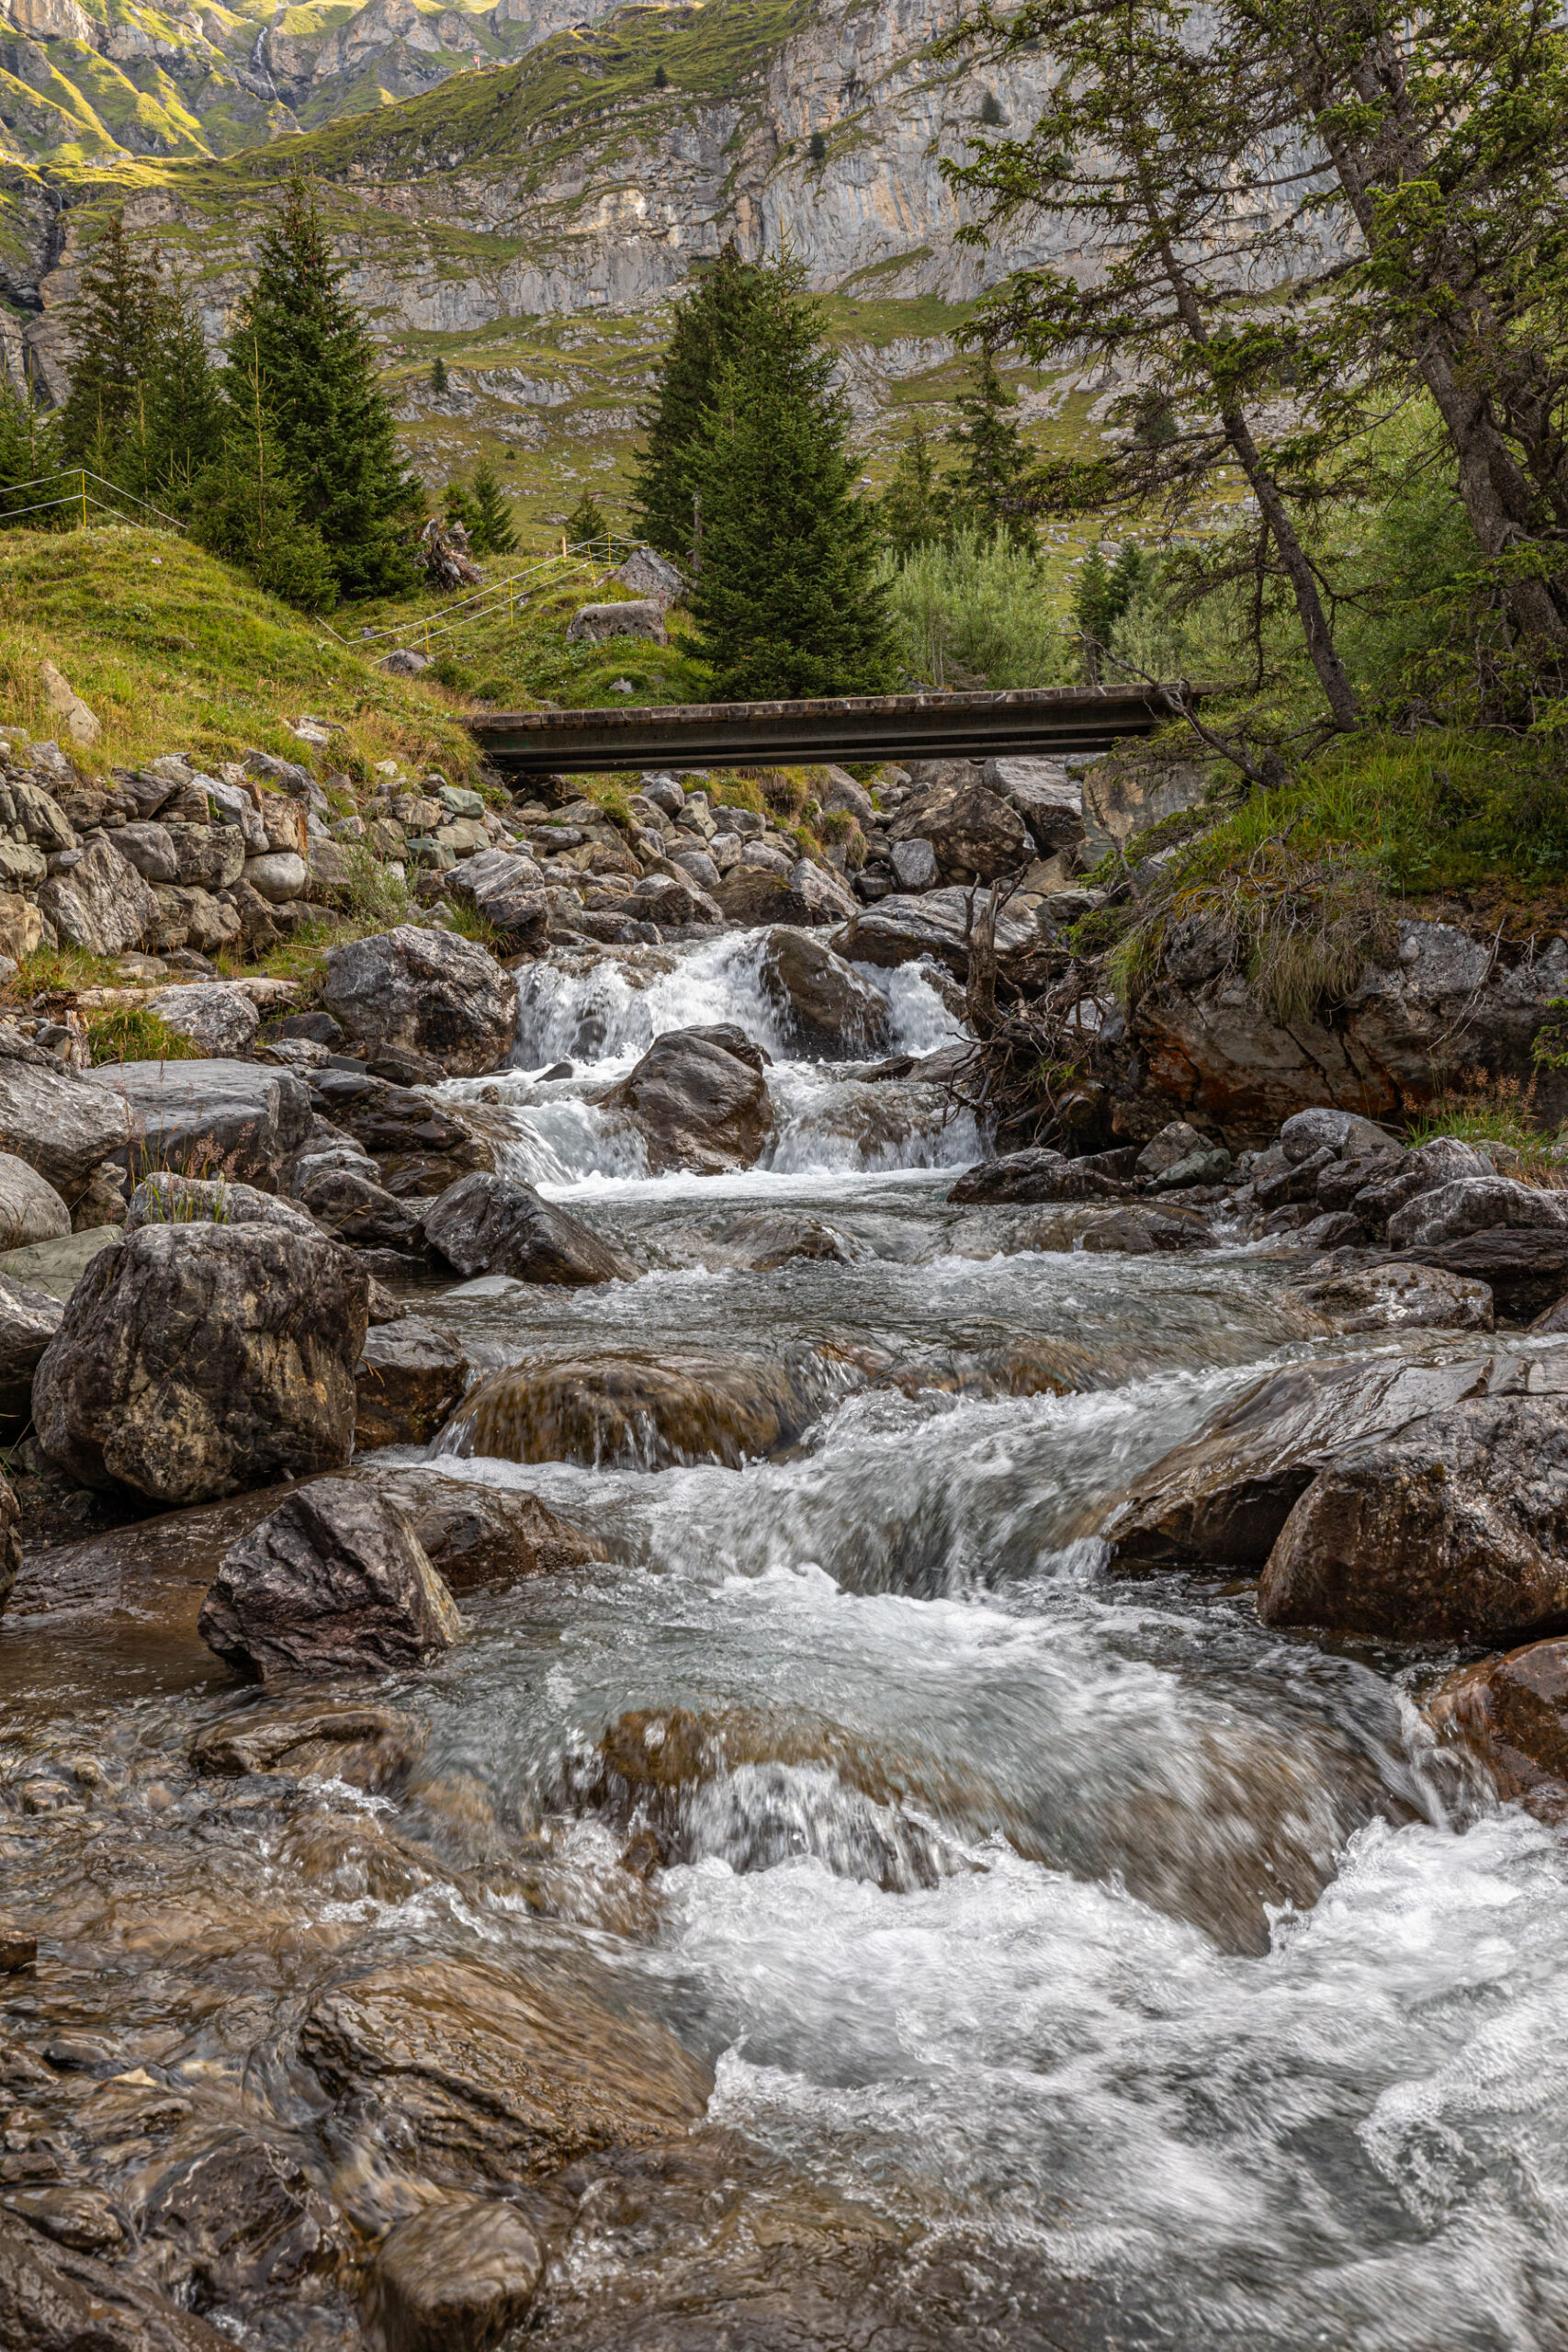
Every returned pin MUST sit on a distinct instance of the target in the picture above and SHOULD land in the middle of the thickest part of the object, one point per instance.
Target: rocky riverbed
(651, 1700)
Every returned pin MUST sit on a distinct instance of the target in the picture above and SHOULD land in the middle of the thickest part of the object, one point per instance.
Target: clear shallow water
(1126, 1974)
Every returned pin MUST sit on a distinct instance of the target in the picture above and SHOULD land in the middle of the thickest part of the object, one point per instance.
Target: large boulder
(1039, 1175)
(899, 930)
(483, 1534)
(62, 1125)
(30, 1208)
(419, 1146)
(407, 1382)
(101, 904)
(637, 616)
(429, 990)
(507, 889)
(490, 1224)
(805, 893)
(821, 1004)
(244, 1118)
(482, 2078)
(700, 1101)
(198, 1360)
(633, 1412)
(1512, 1713)
(974, 835)
(222, 1021)
(1048, 799)
(1221, 1499)
(29, 1320)
(1453, 1528)
(1524, 1267)
(333, 1582)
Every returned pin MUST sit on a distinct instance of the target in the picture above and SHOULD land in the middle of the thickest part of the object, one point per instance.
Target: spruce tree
(328, 409)
(179, 422)
(460, 506)
(586, 522)
(709, 334)
(990, 492)
(29, 451)
(115, 322)
(1101, 597)
(494, 534)
(911, 507)
(786, 601)
(246, 507)
(438, 374)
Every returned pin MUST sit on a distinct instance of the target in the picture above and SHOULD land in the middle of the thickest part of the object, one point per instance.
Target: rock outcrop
(487, 1225)
(196, 1118)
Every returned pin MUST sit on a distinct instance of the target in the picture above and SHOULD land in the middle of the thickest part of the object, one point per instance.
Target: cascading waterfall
(1081, 1963)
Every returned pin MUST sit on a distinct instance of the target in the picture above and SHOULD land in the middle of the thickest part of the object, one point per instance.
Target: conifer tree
(586, 522)
(461, 506)
(911, 509)
(494, 534)
(28, 450)
(114, 323)
(246, 506)
(1102, 594)
(327, 408)
(786, 601)
(438, 374)
(990, 493)
(709, 334)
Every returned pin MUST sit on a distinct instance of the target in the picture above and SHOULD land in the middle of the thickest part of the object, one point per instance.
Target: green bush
(973, 611)
(131, 1033)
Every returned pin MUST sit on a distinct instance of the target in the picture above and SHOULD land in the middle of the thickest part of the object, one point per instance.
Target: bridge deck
(746, 734)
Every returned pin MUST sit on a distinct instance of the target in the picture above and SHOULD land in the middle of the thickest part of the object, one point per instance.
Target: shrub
(131, 1033)
(973, 611)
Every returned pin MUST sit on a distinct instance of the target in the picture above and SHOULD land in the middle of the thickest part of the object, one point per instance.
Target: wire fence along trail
(78, 498)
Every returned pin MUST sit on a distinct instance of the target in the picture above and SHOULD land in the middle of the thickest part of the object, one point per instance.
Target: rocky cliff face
(578, 181)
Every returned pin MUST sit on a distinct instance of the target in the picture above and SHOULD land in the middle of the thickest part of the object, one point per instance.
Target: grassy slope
(175, 651)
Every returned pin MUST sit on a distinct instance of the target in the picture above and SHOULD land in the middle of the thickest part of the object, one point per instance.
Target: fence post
(83, 498)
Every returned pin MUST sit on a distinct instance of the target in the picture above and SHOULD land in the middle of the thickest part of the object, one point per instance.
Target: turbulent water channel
(1078, 1963)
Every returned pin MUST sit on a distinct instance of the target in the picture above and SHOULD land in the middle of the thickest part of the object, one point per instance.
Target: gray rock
(842, 791)
(1346, 1135)
(1475, 1204)
(29, 1320)
(1048, 799)
(350, 1205)
(1173, 1144)
(222, 1021)
(102, 905)
(1525, 1266)
(700, 1101)
(1036, 1176)
(59, 1124)
(208, 857)
(30, 1208)
(1220, 1499)
(488, 1225)
(766, 857)
(508, 890)
(899, 930)
(455, 2276)
(914, 864)
(408, 1381)
(673, 902)
(640, 616)
(699, 865)
(1452, 1528)
(663, 790)
(822, 1003)
(974, 835)
(430, 991)
(1210, 1164)
(277, 875)
(163, 1199)
(1398, 1298)
(58, 1266)
(246, 1118)
(149, 848)
(199, 1359)
(333, 1582)
(1442, 1161)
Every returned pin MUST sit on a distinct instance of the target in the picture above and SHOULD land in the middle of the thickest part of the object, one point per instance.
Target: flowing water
(1080, 1964)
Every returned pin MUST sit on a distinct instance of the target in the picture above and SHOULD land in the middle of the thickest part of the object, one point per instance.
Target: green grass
(174, 651)
(131, 1033)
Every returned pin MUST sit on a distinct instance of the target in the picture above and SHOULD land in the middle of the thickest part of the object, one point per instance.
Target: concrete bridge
(1039, 721)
